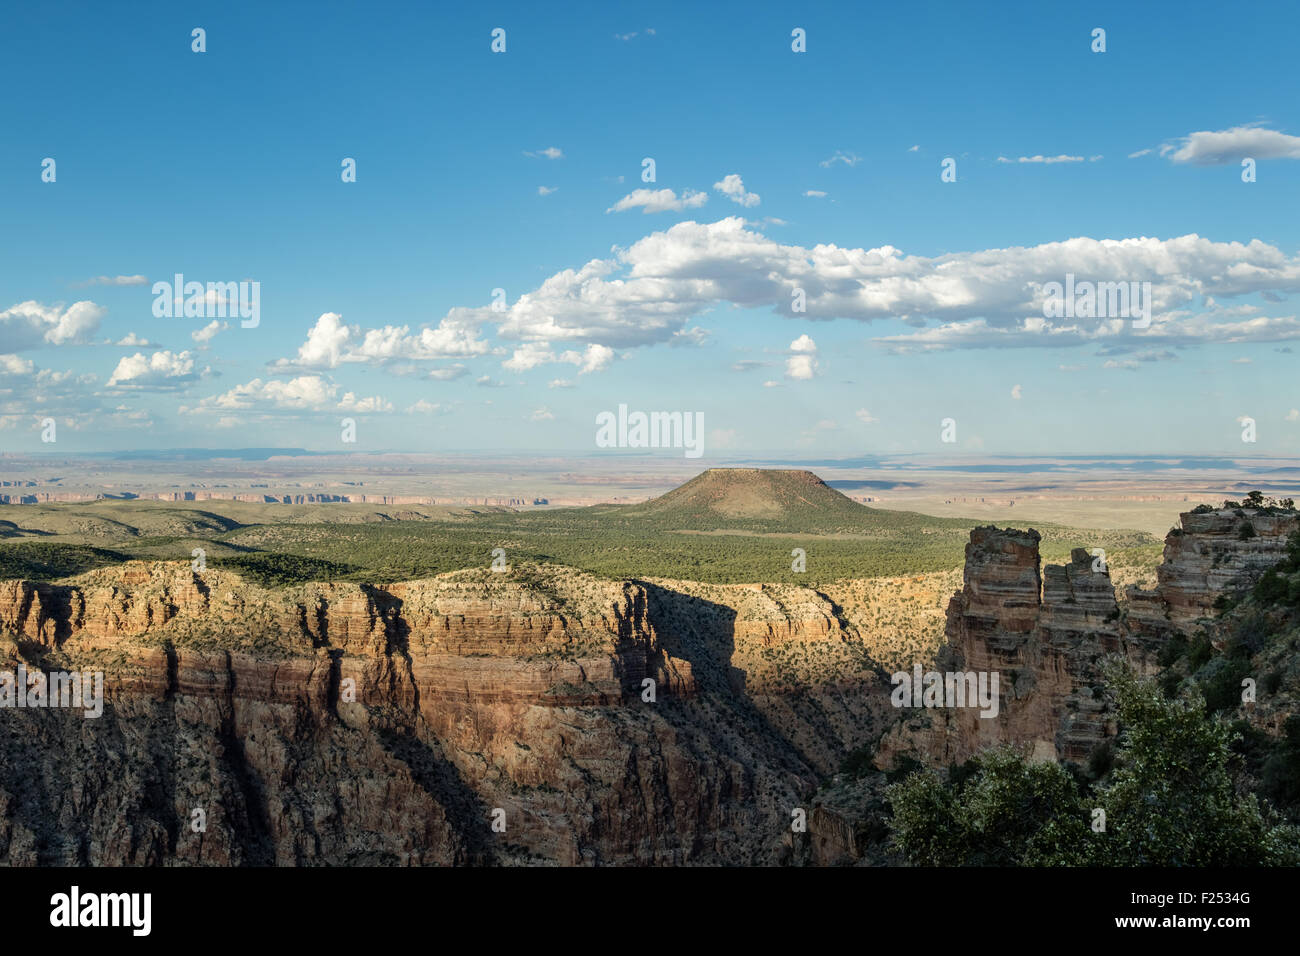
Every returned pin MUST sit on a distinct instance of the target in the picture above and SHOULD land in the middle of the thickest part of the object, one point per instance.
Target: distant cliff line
(276, 499)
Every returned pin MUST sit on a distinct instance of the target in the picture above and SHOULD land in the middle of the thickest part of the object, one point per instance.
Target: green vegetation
(1280, 584)
(607, 541)
(279, 570)
(723, 527)
(1006, 812)
(1255, 637)
(1257, 501)
(1170, 799)
(1249, 635)
(1280, 769)
(45, 561)
(859, 762)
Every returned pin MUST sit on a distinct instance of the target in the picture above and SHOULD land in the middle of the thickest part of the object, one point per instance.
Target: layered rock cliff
(346, 723)
(342, 723)
(1212, 554)
(1046, 632)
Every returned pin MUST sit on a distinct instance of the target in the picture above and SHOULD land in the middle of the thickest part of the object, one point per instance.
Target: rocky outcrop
(831, 837)
(1041, 633)
(1002, 587)
(1212, 554)
(1046, 636)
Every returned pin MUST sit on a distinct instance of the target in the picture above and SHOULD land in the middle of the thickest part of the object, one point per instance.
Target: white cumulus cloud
(206, 334)
(655, 290)
(1231, 146)
(733, 188)
(331, 343)
(16, 365)
(306, 392)
(161, 370)
(660, 200)
(351, 403)
(133, 341)
(594, 358)
(31, 324)
(802, 363)
(423, 407)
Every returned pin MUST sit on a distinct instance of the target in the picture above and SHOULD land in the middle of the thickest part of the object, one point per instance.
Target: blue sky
(521, 171)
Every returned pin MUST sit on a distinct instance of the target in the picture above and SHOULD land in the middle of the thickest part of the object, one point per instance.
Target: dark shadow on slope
(466, 813)
(430, 769)
(255, 838)
(703, 633)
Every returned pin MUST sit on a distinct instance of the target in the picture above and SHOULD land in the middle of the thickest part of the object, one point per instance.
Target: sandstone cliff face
(1212, 554)
(1045, 635)
(1041, 633)
(340, 723)
(344, 723)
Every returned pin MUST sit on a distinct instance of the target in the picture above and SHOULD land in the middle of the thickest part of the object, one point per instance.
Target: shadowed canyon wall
(353, 724)
(346, 723)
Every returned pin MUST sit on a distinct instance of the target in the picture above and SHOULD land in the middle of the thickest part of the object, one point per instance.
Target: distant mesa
(754, 494)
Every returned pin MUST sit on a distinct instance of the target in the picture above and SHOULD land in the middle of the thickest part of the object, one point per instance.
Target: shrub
(1101, 760)
(1008, 812)
(1271, 588)
(1172, 650)
(858, 763)
(1280, 778)
(1170, 799)
(1273, 681)
(1199, 652)
(1221, 683)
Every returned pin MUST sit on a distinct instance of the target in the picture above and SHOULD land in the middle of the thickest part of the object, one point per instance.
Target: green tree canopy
(1170, 800)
